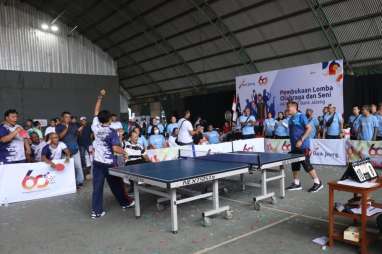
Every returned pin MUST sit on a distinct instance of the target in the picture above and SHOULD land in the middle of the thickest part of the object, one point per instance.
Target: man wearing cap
(84, 142)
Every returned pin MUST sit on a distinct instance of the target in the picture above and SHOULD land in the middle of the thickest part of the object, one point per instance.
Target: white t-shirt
(116, 125)
(54, 153)
(185, 127)
(171, 141)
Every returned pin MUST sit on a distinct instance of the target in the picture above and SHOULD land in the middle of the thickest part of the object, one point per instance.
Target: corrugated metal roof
(175, 45)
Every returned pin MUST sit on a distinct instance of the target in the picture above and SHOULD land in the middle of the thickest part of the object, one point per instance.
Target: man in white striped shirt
(136, 154)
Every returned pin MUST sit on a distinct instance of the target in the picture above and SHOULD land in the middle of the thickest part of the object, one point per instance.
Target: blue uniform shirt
(157, 140)
(281, 128)
(315, 124)
(70, 138)
(269, 126)
(335, 128)
(213, 137)
(354, 124)
(248, 129)
(379, 121)
(297, 125)
(367, 125)
(171, 127)
(160, 127)
(143, 141)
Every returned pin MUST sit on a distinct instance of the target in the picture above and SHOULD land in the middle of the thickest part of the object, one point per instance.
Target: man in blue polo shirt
(368, 125)
(333, 124)
(68, 133)
(171, 126)
(379, 120)
(106, 144)
(14, 147)
(354, 123)
(299, 131)
(247, 122)
(212, 135)
(313, 122)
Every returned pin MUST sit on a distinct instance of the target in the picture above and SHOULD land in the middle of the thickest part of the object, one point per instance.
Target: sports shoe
(294, 187)
(96, 216)
(316, 187)
(130, 205)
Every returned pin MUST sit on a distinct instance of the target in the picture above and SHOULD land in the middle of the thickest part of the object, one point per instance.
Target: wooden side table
(335, 234)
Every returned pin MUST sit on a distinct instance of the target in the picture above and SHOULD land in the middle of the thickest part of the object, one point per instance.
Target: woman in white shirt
(172, 138)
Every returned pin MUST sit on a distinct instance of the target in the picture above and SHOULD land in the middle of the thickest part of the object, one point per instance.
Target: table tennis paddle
(59, 167)
(23, 134)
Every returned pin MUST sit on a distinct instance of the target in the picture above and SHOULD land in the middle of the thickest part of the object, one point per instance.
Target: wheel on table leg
(273, 200)
(224, 191)
(175, 232)
(160, 207)
(228, 215)
(257, 206)
(206, 222)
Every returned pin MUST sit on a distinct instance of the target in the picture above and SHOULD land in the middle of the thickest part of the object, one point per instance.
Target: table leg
(364, 223)
(282, 182)
(174, 212)
(242, 182)
(137, 200)
(215, 194)
(331, 217)
(264, 182)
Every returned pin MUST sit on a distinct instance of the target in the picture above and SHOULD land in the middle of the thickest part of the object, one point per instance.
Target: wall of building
(24, 46)
(45, 95)
(44, 73)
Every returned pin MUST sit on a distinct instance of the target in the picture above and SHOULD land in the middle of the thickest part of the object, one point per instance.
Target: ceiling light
(44, 26)
(54, 28)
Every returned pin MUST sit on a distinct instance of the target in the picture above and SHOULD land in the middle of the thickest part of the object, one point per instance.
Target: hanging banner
(249, 145)
(328, 152)
(312, 86)
(277, 145)
(28, 181)
(357, 150)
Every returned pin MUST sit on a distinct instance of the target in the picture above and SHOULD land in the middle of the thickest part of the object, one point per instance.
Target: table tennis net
(244, 157)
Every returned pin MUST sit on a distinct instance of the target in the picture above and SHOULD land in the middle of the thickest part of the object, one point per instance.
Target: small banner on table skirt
(163, 154)
(249, 145)
(277, 145)
(328, 152)
(358, 149)
(28, 181)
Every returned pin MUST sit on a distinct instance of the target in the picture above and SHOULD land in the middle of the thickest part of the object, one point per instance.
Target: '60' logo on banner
(36, 182)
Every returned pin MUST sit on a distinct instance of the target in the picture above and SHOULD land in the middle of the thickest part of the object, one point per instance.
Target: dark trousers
(332, 137)
(100, 172)
(248, 136)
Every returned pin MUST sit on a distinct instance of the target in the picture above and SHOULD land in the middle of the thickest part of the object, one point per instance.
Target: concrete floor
(62, 225)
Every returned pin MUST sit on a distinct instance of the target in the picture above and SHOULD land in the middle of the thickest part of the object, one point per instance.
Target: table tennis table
(165, 178)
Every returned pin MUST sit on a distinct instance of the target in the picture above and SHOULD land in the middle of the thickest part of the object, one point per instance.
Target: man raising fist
(106, 143)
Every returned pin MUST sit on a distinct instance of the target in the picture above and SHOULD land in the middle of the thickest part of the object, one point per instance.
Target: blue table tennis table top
(183, 169)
